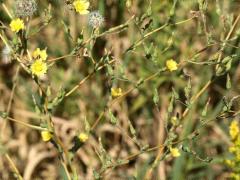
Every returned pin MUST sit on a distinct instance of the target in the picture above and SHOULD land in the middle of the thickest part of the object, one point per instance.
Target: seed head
(25, 8)
(6, 55)
(95, 19)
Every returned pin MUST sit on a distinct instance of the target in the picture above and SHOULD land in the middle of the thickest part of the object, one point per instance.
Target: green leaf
(132, 130)
(155, 96)
(36, 105)
(220, 71)
(96, 175)
(173, 9)
(228, 65)
(176, 95)
(205, 109)
(49, 93)
(3, 149)
(67, 29)
(171, 104)
(87, 125)
(3, 114)
(63, 173)
(57, 100)
(188, 91)
(106, 159)
(113, 119)
(228, 83)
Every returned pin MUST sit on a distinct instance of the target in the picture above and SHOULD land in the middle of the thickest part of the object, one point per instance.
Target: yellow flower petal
(16, 25)
(234, 129)
(38, 53)
(46, 135)
(116, 92)
(171, 65)
(39, 68)
(83, 137)
(84, 12)
(232, 149)
(175, 152)
(81, 6)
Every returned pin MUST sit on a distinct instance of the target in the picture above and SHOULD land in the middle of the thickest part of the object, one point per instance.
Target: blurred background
(141, 119)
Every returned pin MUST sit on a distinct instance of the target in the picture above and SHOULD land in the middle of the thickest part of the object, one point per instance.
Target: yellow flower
(238, 155)
(46, 135)
(116, 92)
(175, 152)
(171, 65)
(39, 68)
(16, 25)
(237, 141)
(174, 121)
(81, 6)
(129, 3)
(42, 54)
(234, 129)
(229, 163)
(235, 176)
(83, 137)
(232, 149)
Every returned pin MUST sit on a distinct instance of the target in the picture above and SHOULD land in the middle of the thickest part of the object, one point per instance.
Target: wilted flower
(16, 25)
(6, 53)
(25, 7)
(95, 19)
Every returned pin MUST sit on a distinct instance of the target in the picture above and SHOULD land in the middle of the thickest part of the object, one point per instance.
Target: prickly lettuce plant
(119, 89)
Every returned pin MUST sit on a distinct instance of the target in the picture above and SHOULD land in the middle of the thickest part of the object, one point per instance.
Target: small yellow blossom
(174, 121)
(171, 65)
(238, 155)
(237, 140)
(46, 135)
(235, 176)
(229, 163)
(83, 137)
(129, 3)
(234, 129)
(175, 152)
(39, 68)
(81, 6)
(16, 25)
(38, 53)
(116, 92)
(232, 149)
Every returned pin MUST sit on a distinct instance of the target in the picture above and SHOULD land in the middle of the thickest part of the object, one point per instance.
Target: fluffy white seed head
(25, 8)
(6, 55)
(95, 19)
